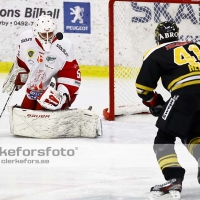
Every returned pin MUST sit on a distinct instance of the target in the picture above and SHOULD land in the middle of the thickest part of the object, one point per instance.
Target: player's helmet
(166, 32)
(44, 30)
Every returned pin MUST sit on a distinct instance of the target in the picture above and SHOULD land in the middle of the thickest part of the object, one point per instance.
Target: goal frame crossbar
(109, 113)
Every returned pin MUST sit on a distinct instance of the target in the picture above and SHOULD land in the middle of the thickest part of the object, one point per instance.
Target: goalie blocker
(54, 124)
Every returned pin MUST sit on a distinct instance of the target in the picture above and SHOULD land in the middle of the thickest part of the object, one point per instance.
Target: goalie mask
(44, 30)
(166, 32)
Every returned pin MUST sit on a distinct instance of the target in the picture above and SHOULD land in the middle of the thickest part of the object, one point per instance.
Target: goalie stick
(7, 101)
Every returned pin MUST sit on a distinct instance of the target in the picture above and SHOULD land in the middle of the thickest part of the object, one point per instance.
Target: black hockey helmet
(166, 32)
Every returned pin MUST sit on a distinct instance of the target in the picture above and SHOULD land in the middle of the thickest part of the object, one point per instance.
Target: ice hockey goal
(131, 33)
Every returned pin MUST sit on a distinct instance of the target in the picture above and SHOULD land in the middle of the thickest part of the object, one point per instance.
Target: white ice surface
(121, 165)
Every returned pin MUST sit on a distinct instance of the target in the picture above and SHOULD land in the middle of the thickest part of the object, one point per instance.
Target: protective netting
(134, 28)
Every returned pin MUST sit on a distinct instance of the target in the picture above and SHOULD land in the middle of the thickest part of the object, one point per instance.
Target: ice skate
(169, 190)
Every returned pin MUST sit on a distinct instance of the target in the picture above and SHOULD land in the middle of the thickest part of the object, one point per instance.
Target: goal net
(132, 27)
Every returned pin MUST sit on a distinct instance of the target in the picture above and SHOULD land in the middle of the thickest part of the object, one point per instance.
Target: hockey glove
(155, 104)
(21, 80)
(17, 76)
(52, 99)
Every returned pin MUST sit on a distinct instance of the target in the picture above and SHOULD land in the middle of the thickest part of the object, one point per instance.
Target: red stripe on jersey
(70, 70)
(54, 39)
(39, 43)
(22, 64)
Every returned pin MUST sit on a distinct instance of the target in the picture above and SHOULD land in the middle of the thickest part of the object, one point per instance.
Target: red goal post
(129, 38)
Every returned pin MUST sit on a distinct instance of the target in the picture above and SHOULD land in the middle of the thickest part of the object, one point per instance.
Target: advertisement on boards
(77, 17)
(25, 16)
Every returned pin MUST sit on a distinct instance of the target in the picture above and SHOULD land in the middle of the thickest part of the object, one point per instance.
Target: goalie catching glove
(16, 78)
(52, 99)
(155, 104)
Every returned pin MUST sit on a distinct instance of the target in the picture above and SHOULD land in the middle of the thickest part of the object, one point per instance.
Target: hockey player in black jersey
(178, 66)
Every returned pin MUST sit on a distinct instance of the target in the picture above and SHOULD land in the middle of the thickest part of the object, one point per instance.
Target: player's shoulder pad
(150, 51)
(65, 45)
(26, 37)
(65, 42)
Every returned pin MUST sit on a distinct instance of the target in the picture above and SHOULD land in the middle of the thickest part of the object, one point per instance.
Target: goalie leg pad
(46, 124)
(53, 124)
(10, 110)
(89, 124)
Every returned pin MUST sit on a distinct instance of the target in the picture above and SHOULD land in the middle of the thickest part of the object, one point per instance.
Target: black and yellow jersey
(178, 66)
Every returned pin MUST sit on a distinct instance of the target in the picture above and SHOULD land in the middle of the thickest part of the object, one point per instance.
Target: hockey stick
(7, 101)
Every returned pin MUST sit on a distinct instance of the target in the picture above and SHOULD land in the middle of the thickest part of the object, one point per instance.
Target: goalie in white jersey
(43, 54)
(46, 64)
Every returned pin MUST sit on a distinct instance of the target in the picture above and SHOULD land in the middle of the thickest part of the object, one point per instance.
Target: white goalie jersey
(60, 62)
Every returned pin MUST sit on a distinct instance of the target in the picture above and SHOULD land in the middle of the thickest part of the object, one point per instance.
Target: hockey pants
(182, 120)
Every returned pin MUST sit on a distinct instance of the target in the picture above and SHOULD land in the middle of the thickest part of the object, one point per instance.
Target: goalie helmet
(166, 32)
(44, 30)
